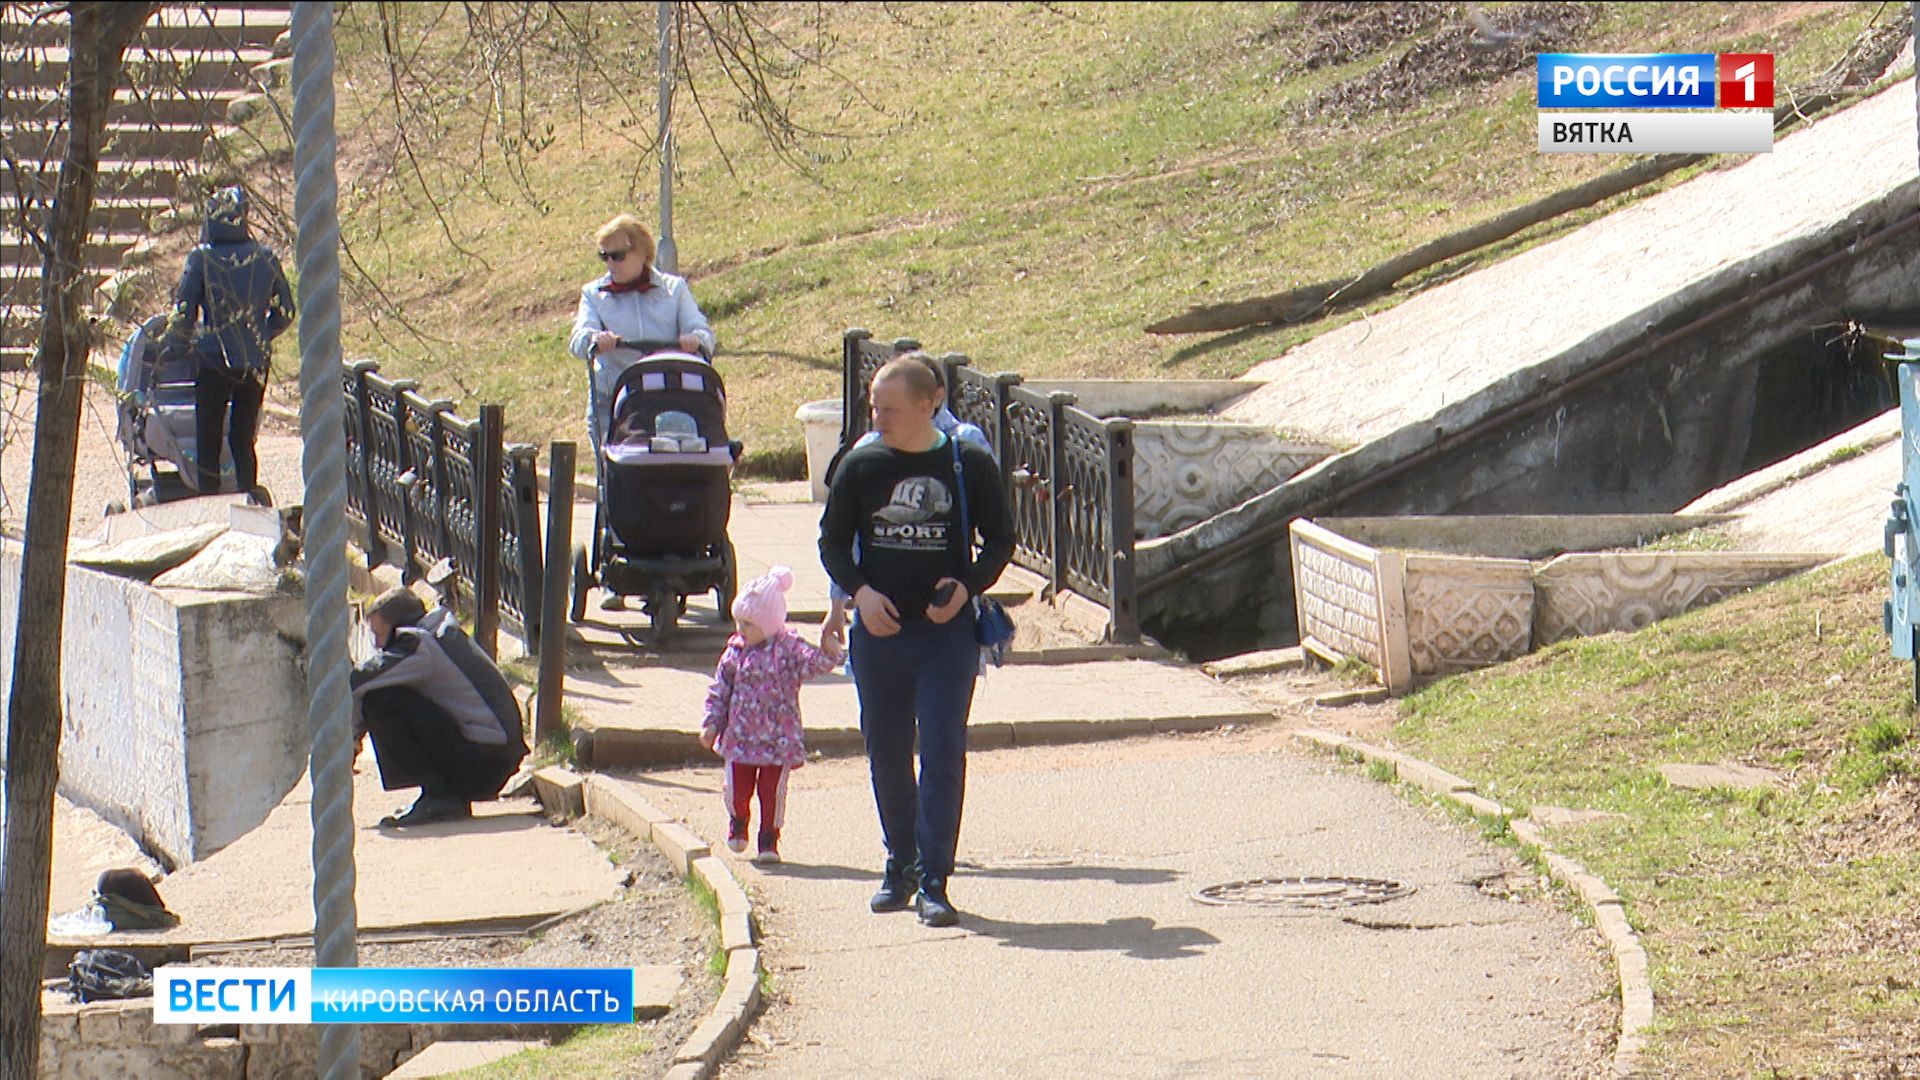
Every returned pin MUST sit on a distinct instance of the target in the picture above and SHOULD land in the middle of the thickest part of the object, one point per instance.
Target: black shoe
(897, 887)
(427, 809)
(258, 495)
(935, 909)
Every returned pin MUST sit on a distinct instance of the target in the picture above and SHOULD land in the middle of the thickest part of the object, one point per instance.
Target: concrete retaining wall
(120, 1039)
(1186, 471)
(1412, 614)
(1651, 436)
(1142, 397)
(185, 711)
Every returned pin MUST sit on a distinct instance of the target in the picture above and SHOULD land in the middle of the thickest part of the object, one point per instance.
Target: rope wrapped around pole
(323, 466)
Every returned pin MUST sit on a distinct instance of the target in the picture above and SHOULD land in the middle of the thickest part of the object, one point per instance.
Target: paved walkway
(1081, 950)
(448, 876)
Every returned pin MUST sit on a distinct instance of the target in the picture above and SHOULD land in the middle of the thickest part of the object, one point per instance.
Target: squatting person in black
(915, 656)
(441, 716)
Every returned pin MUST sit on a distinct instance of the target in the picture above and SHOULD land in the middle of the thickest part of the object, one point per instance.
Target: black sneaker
(426, 810)
(935, 909)
(897, 887)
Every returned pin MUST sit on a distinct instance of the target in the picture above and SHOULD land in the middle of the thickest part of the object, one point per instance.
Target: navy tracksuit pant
(918, 682)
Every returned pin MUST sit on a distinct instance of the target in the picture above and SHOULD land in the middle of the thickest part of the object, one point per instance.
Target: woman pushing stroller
(234, 291)
(633, 301)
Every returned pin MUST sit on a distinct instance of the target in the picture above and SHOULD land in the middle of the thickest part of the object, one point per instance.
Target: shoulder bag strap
(966, 526)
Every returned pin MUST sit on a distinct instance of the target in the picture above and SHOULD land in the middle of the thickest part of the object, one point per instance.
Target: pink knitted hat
(763, 601)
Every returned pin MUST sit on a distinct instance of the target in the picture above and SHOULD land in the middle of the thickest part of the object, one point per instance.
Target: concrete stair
(189, 66)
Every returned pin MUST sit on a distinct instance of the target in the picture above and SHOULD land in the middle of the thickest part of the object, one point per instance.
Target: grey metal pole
(666, 253)
(323, 467)
(553, 618)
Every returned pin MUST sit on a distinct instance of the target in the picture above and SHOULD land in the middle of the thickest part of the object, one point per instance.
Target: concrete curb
(647, 748)
(1609, 911)
(614, 801)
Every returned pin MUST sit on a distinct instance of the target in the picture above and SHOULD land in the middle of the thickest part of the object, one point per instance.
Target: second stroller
(664, 464)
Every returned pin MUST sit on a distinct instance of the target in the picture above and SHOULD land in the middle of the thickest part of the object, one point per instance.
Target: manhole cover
(1304, 892)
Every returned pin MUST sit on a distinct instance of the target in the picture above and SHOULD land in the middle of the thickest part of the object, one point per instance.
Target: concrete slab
(1566, 817)
(262, 886)
(1117, 698)
(654, 988)
(447, 1058)
(1259, 662)
(1737, 777)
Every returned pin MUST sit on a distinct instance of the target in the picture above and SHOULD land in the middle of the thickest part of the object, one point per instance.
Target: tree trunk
(98, 38)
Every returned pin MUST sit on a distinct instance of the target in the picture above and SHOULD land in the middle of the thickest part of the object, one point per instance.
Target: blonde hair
(919, 377)
(629, 229)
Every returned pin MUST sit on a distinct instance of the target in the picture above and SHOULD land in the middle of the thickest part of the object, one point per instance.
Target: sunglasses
(615, 256)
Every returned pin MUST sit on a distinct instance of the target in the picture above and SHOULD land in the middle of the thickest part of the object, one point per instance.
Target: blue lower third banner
(211, 995)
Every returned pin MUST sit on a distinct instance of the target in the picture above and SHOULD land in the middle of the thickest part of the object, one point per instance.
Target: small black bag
(108, 975)
(992, 626)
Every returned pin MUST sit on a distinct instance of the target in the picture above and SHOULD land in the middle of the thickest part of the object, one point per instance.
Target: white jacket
(662, 313)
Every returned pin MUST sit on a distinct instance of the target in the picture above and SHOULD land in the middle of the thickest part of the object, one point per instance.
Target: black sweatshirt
(901, 508)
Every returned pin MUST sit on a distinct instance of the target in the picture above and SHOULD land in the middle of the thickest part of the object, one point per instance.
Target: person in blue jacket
(233, 301)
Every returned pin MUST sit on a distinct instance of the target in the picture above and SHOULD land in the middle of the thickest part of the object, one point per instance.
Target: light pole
(666, 254)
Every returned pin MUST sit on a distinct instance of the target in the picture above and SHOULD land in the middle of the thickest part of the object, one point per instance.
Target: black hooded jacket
(234, 289)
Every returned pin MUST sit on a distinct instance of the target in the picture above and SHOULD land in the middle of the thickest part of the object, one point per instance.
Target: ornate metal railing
(424, 485)
(1069, 474)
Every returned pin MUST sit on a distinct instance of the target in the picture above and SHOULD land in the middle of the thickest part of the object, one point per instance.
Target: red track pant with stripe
(770, 781)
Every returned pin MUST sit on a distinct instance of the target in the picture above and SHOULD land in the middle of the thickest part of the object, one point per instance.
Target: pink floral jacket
(753, 704)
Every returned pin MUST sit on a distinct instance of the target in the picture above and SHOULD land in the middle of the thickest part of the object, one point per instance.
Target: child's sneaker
(737, 835)
(769, 847)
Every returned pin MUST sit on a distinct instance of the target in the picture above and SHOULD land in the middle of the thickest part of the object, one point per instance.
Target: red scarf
(642, 284)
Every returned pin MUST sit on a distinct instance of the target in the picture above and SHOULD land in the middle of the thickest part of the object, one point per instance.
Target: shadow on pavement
(1138, 937)
(1118, 875)
(487, 823)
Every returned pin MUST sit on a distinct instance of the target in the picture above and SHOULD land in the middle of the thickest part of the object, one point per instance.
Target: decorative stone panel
(1186, 471)
(1581, 595)
(1465, 613)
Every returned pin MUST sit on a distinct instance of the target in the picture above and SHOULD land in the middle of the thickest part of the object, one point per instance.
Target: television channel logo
(1651, 103)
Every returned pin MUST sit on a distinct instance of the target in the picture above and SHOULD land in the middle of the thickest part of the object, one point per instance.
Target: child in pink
(753, 708)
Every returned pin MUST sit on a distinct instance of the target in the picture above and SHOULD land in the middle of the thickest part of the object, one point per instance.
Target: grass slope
(1031, 184)
(1780, 923)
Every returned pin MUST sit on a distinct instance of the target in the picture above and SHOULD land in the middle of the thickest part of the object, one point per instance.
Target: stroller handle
(650, 345)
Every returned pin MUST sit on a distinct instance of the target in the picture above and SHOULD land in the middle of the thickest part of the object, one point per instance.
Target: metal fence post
(1060, 535)
(853, 416)
(1123, 618)
(437, 439)
(526, 515)
(1003, 384)
(406, 477)
(486, 528)
(556, 591)
(950, 365)
(363, 441)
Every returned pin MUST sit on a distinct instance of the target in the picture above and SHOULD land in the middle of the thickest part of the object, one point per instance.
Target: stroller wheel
(582, 581)
(729, 586)
(664, 605)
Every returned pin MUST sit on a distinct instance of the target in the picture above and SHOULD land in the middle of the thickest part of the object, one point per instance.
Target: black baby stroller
(664, 463)
(155, 424)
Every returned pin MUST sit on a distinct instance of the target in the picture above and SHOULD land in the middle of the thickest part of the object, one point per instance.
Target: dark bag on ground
(108, 975)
